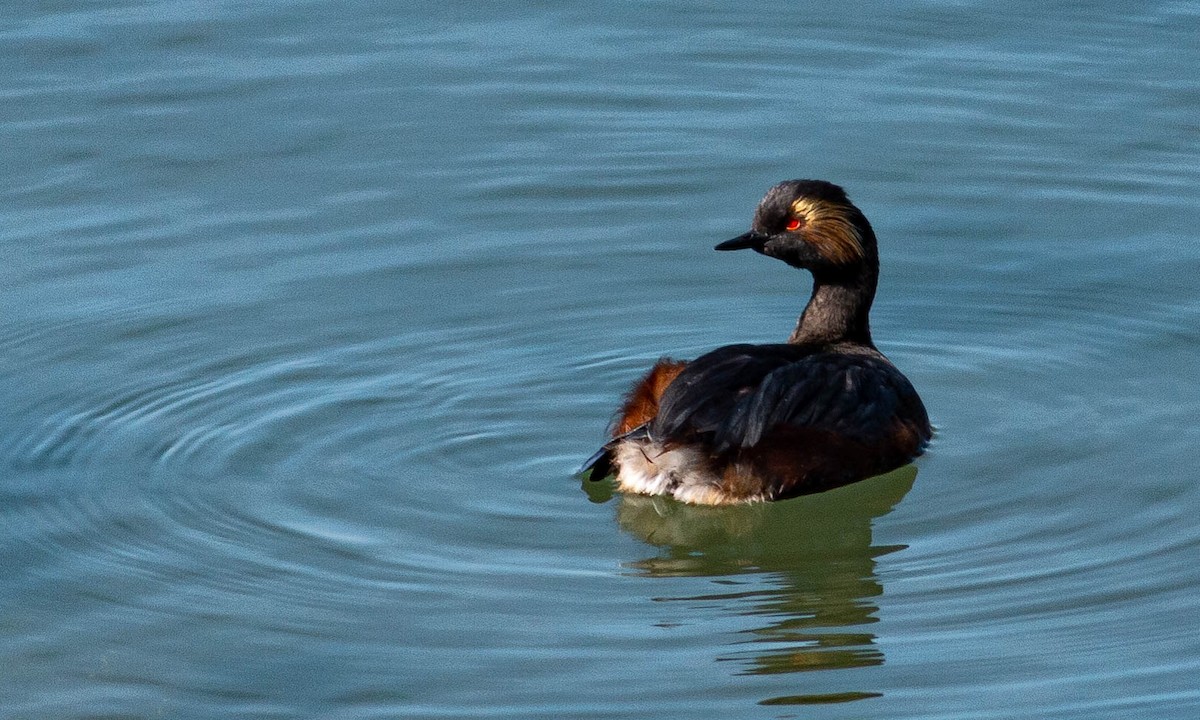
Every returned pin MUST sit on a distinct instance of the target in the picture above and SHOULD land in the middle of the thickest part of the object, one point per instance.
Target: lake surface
(311, 309)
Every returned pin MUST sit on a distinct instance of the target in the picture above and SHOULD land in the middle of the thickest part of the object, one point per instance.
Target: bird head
(809, 224)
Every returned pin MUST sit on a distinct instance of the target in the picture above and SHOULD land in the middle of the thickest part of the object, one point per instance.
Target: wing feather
(735, 396)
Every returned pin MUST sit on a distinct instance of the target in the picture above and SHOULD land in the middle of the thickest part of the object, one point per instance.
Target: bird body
(745, 423)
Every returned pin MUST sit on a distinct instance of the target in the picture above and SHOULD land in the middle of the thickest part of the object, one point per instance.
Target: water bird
(747, 423)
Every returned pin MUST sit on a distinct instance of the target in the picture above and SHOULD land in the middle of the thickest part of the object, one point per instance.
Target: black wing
(702, 397)
(733, 396)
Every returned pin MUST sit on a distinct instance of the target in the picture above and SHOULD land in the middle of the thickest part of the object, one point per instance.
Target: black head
(809, 224)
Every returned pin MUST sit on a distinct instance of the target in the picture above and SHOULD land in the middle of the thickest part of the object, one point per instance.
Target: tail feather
(601, 462)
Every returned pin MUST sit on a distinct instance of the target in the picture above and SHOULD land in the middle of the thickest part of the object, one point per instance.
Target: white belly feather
(681, 472)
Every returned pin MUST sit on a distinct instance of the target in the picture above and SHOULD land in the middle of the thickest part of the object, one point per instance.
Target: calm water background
(310, 309)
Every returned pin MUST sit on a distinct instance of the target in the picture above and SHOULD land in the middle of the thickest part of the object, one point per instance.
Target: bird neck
(839, 308)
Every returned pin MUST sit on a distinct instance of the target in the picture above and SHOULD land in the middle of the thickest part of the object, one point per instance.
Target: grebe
(746, 423)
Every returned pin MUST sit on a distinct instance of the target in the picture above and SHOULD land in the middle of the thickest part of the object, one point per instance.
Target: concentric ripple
(310, 310)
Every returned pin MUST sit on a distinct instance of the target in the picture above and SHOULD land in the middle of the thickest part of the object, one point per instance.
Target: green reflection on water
(815, 568)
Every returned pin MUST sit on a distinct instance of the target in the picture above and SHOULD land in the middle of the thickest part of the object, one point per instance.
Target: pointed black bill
(750, 241)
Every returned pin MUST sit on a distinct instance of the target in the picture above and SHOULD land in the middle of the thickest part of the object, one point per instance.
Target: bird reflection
(805, 566)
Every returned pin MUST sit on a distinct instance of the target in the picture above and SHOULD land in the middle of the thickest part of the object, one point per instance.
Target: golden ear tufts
(830, 230)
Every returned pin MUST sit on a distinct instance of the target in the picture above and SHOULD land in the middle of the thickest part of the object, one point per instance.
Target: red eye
(793, 224)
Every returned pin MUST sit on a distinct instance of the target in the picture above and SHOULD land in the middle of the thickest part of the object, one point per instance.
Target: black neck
(839, 308)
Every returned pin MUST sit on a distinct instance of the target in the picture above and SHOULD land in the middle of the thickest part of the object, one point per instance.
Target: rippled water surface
(310, 310)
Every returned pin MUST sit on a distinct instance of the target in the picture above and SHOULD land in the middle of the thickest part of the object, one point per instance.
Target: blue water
(310, 310)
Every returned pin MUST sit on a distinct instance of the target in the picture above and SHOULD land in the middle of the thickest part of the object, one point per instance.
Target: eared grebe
(766, 422)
